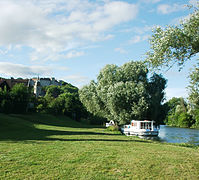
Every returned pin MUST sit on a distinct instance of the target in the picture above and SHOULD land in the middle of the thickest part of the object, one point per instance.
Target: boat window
(142, 125)
(145, 125)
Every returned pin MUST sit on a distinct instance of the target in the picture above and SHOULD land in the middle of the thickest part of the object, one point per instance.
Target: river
(178, 135)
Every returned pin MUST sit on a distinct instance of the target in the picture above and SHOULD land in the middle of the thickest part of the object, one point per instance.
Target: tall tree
(120, 93)
(156, 87)
(175, 44)
(194, 87)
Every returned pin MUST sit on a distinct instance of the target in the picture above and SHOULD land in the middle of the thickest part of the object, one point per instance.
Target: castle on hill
(36, 83)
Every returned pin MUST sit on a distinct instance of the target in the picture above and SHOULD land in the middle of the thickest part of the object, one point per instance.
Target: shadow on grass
(59, 121)
(44, 135)
(18, 128)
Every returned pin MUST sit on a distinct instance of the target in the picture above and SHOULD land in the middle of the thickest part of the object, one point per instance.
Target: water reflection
(177, 135)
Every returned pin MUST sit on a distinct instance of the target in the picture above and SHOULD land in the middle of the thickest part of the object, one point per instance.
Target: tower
(37, 87)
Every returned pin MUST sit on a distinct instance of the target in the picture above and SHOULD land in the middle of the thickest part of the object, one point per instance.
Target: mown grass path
(46, 147)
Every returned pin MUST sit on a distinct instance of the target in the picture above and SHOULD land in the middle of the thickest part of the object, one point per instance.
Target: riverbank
(47, 147)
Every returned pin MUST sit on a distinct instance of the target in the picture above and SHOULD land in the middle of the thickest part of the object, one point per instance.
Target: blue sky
(73, 39)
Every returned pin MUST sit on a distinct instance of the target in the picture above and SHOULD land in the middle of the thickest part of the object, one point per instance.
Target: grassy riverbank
(47, 147)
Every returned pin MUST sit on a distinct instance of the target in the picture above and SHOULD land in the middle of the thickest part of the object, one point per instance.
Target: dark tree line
(16, 100)
(58, 100)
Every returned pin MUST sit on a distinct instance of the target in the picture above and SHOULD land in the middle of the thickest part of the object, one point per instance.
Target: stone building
(36, 83)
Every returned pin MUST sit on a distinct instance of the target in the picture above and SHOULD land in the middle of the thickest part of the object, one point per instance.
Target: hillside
(48, 147)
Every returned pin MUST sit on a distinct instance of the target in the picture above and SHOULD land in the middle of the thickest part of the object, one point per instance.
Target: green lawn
(47, 147)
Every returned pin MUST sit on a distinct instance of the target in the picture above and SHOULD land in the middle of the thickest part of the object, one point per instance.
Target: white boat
(140, 128)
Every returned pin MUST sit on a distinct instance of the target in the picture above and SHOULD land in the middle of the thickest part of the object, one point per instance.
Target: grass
(47, 147)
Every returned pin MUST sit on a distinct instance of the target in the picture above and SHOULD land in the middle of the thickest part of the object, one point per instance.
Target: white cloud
(150, 1)
(167, 9)
(135, 39)
(142, 30)
(139, 30)
(138, 38)
(120, 50)
(52, 27)
(73, 54)
(19, 70)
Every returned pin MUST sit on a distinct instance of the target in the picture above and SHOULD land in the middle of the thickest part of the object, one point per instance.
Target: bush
(113, 128)
(181, 119)
(185, 120)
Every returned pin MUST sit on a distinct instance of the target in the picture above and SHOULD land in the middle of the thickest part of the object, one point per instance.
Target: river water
(178, 135)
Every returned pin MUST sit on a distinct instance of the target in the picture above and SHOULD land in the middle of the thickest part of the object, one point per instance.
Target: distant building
(37, 88)
(11, 82)
(36, 83)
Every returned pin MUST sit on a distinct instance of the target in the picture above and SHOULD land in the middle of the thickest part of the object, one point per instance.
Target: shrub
(113, 128)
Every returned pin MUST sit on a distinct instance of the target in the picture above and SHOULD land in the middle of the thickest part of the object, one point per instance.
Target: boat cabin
(143, 128)
(142, 124)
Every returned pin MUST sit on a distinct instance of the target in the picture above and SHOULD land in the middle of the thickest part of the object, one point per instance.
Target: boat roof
(142, 121)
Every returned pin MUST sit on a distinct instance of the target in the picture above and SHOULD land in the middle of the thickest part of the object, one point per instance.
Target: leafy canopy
(175, 44)
(121, 93)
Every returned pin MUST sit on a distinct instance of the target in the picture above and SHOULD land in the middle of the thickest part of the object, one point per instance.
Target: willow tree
(175, 44)
(194, 87)
(120, 93)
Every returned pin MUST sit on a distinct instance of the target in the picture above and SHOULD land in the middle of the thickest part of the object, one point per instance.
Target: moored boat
(140, 128)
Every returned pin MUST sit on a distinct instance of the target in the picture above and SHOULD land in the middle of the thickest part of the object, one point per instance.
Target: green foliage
(185, 120)
(195, 115)
(122, 93)
(20, 98)
(179, 114)
(6, 104)
(61, 100)
(53, 91)
(178, 44)
(180, 119)
(194, 87)
(156, 87)
(14, 101)
(113, 128)
(175, 44)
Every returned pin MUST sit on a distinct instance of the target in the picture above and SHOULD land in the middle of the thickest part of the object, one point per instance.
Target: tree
(61, 100)
(120, 93)
(68, 88)
(194, 87)
(53, 91)
(156, 87)
(6, 105)
(175, 44)
(178, 113)
(20, 98)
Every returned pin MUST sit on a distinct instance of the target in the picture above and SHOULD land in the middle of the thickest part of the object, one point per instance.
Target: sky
(72, 40)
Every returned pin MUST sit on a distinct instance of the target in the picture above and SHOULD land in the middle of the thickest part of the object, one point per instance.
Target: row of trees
(58, 100)
(62, 100)
(181, 114)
